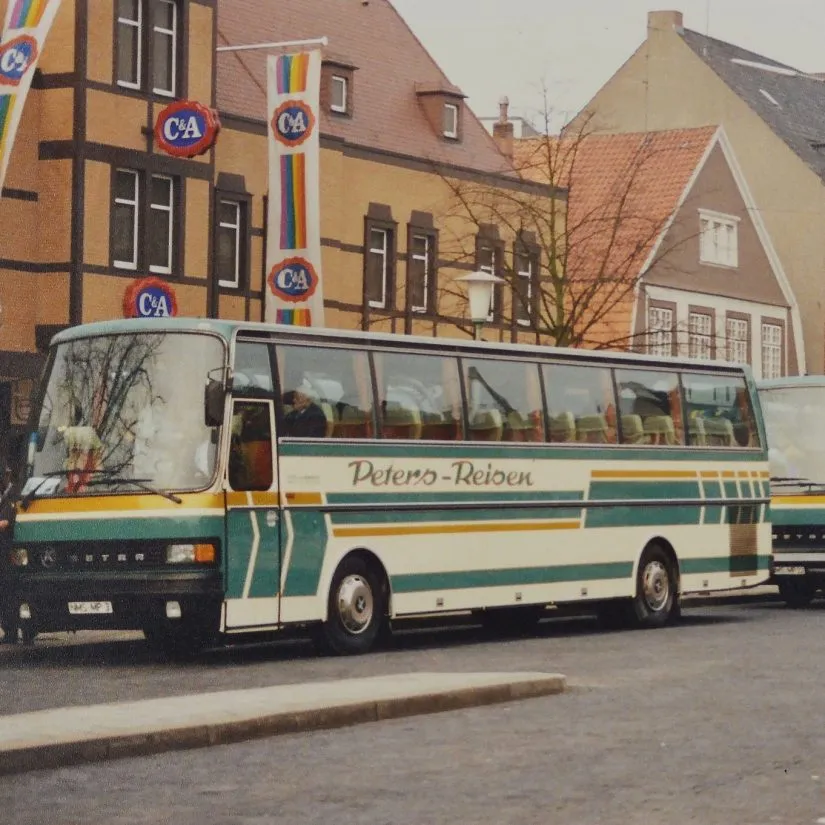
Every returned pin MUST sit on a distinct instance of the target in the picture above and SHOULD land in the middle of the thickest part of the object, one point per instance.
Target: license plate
(785, 570)
(89, 608)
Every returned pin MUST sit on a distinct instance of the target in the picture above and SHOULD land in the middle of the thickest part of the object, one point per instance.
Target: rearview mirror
(214, 397)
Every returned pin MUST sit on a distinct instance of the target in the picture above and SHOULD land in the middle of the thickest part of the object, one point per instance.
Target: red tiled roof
(622, 191)
(390, 60)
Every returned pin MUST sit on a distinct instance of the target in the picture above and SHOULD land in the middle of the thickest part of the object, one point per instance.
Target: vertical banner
(294, 293)
(26, 26)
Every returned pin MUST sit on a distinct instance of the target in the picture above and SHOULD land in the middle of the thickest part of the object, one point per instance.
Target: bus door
(253, 528)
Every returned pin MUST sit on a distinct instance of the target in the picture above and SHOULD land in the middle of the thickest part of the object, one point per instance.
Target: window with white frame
(229, 243)
(700, 336)
(450, 124)
(164, 47)
(161, 224)
(129, 36)
(718, 239)
(524, 266)
(772, 350)
(487, 261)
(737, 334)
(660, 330)
(420, 265)
(126, 191)
(339, 101)
(377, 268)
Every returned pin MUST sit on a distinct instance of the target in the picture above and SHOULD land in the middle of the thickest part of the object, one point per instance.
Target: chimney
(665, 21)
(503, 130)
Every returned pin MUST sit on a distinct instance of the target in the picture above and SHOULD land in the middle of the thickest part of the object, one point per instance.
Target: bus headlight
(190, 553)
(19, 557)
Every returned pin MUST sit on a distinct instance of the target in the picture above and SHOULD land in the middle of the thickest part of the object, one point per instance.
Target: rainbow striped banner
(26, 26)
(294, 293)
(26, 14)
(291, 73)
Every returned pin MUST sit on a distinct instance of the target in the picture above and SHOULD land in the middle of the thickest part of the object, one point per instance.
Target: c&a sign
(293, 280)
(16, 57)
(149, 298)
(186, 129)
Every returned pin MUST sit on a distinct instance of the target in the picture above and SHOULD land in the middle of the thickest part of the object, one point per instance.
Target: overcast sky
(492, 48)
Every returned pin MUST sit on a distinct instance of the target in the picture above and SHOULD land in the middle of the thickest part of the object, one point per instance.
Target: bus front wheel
(356, 609)
(656, 601)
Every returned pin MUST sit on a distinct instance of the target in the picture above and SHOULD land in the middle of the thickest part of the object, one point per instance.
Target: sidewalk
(77, 735)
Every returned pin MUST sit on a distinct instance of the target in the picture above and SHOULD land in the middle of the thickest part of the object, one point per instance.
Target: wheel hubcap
(655, 586)
(355, 604)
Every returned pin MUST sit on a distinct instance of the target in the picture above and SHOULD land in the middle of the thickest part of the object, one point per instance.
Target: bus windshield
(796, 434)
(125, 412)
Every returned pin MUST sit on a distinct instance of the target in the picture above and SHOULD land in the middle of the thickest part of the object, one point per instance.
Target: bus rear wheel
(356, 610)
(656, 601)
(796, 593)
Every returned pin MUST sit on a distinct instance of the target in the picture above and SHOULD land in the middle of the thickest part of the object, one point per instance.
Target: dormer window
(337, 85)
(450, 121)
(339, 94)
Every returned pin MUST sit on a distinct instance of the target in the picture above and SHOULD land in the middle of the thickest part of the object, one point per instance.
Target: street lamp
(480, 286)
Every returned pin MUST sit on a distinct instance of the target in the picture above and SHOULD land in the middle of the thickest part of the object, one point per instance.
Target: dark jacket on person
(309, 422)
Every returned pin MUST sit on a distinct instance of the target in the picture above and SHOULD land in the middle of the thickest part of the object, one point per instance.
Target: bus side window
(580, 403)
(250, 452)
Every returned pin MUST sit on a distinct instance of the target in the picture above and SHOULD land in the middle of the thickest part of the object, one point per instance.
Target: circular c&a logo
(292, 123)
(293, 280)
(16, 57)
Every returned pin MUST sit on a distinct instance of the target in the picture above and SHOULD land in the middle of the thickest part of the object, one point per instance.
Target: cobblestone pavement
(719, 720)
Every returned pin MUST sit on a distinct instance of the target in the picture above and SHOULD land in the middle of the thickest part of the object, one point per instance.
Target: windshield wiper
(26, 500)
(142, 483)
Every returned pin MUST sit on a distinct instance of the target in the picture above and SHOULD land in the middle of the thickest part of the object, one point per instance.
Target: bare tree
(585, 230)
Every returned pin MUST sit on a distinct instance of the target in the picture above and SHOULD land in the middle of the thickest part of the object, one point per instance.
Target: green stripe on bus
(638, 490)
(713, 489)
(309, 542)
(725, 564)
(796, 517)
(461, 580)
(649, 516)
(125, 529)
(402, 517)
(501, 450)
(479, 497)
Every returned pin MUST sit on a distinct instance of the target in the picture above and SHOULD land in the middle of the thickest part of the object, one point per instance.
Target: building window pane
(228, 245)
(524, 266)
(164, 47)
(503, 401)
(737, 333)
(486, 262)
(377, 267)
(420, 396)
(161, 222)
(660, 331)
(419, 272)
(125, 219)
(772, 355)
(340, 91)
(129, 24)
(580, 404)
(718, 240)
(326, 393)
(700, 336)
(450, 124)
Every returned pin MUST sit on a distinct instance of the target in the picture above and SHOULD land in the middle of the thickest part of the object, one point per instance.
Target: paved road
(719, 720)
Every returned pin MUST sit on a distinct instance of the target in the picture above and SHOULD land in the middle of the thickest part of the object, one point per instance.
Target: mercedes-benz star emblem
(48, 558)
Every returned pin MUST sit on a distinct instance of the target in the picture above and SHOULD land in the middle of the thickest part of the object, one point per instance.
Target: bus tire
(356, 609)
(656, 602)
(796, 593)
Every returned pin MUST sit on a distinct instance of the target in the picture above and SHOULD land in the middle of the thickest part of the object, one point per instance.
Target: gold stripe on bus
(744, 474)
(766, 474)
(301, 499)
(798, 501)
(652, 474)
(259, 498)
(728, 474)
(435, 529)
(709, 474)
(108, 504)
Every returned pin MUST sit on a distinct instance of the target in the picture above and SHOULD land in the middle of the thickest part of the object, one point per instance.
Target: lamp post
(480, 286)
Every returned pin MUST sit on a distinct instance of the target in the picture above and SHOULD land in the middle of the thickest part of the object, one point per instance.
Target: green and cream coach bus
(204, 480)
(794, 411)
